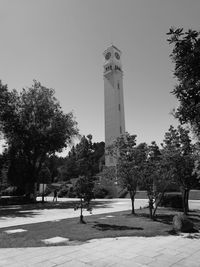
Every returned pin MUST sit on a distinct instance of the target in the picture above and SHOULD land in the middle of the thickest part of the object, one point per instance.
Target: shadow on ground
(105, 227)
(30, 210)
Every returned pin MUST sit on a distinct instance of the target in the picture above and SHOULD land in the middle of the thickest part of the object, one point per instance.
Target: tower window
(118, 86)
(120, 129)
(119, 107)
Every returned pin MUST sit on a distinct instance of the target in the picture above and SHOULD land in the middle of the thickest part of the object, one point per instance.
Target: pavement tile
(127, 255)
(14, 231)
(106, 262)
(93, 256)
(17, 264)
(128, 263)
(55, 240)
(188, 263)
(45, 263)
(6, 261)
(143, 259)
(169, 251)
(149, 253)
(99, 263)
(160, 263)
(61, 259)
(36, 260)
(194, 257)
(73, 263)
(169, 258)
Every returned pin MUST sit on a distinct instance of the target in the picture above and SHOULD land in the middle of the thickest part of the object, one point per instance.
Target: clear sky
(60, 43)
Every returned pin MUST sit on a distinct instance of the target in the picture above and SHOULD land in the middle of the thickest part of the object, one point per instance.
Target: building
(113, 98)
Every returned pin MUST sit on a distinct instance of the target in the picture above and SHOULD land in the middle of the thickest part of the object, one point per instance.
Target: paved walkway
(44, 215)
(128, 251)
(124, 251)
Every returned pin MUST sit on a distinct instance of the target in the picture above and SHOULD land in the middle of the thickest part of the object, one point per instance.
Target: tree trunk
(151, 208)
(132, 202)
(81, 216)
(157, 203)
(184, 201)
(43, 193)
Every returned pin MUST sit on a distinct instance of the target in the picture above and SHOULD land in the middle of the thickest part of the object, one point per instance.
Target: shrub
(15, 200)
(12, 191)
(63, 192)
(71, 193)
(100, 192)
(173, 200)
(123, 193)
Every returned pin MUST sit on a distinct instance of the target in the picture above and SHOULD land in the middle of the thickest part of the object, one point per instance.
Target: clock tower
(113, 98)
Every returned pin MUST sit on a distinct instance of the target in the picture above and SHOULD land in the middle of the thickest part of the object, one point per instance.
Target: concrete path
(110, 205)
(128, 251)
(124, 251)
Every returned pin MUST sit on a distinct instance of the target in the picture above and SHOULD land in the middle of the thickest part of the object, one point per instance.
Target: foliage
(171, 199)
(100, 192)
(107, 179)
(34, 126)
(130, 159)
(63, 192)
(179, 161)
(151, 178)
(53, 163)
(85, 158)
(84, 190)
(44, 175)
(186, 57)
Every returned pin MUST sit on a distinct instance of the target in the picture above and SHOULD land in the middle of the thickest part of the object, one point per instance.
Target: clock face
(108, 55)
(117, 55)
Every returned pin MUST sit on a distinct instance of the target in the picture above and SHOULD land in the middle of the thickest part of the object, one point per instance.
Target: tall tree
(34, 126)
(186, 57)
(178, 155)
(85, 158)
(151, 178)
(130, 159)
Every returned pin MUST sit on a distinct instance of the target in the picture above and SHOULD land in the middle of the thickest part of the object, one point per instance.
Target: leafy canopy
(186, 57)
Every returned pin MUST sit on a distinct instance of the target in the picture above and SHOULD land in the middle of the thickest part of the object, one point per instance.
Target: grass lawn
(97, 226)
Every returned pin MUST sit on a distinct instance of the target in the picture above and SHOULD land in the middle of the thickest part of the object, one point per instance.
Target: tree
(34, 126)
(151, 178)
(107, 181)
(83, 159)
(130, 159)
(84, 156)
(3, 170)
(84, 190)
(178, 156)
(53, 163)
(186, 57)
